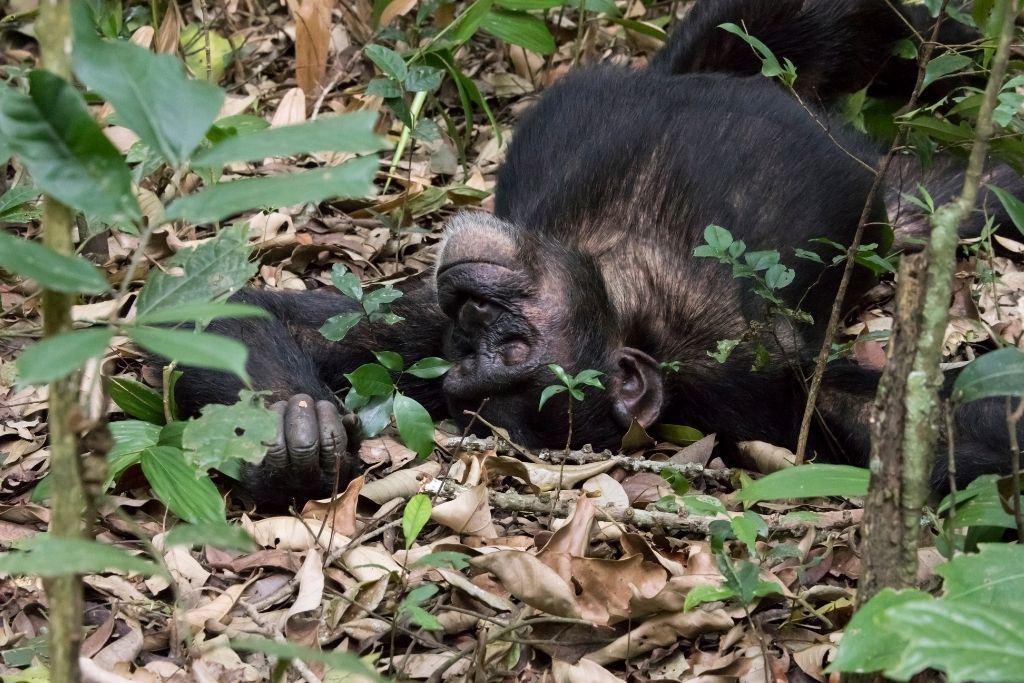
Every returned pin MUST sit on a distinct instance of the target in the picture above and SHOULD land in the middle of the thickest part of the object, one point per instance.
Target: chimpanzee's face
(515, 308)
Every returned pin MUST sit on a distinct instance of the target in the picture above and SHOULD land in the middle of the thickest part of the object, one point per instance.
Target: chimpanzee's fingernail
(302, 433)
(277, 452)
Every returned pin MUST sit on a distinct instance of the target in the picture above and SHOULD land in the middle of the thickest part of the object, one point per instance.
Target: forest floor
(508, 580)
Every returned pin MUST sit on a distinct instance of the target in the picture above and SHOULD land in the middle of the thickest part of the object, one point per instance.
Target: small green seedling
(571, 384)
(375, 304)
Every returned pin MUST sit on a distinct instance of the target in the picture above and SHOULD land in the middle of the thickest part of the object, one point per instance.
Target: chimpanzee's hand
(315, 449)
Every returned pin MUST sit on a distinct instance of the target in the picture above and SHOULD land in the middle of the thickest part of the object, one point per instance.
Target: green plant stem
(925, 378)
(403, 139)
(64, 593)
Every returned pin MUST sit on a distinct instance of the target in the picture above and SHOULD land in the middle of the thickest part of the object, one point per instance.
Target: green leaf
(346, 133)
(217, 534)
(549, 392)
(761, 260)
(338, 661)
(747, 528)
(346, 282)
(190, 496)
(151, 93)
(680, 435)
(968, 642)
(197, 349)
(808, 481)
(388, 61)
(698, 595)
(336, 327)
(422, 618)
(742, 576)
(444, 558)
(980, 505)
(211, 271)
(999, 373)
(59, 356)
(375, 300)
(371, 379)
(12, 201)
(422, 78)
(390, 360)
(723, 349)
(520, 29)
(1014, 207)
(52, 270)
(704, 505)
(718, 238)
(808, 255)
(57, 139)
(48, 556)
(384, 88)
(429, 368)
(225, 433)
(994, 576)
(943, 65)
(778, 276)
(131, 437)
(375, 416)
(522, 5)
(137, 400)
(466, 24)
(352, 179)
(414, 425)
(201, 313)
(415, 517)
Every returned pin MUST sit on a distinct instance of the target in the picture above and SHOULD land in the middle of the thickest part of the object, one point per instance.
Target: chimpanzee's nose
(477, 314)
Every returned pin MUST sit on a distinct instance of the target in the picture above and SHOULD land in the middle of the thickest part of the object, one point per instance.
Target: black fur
(588, 262)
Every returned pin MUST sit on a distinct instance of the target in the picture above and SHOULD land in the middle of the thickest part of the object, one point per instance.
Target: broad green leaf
(373, 301)
(137, 400)
(202, 313)
(422, 78)
(808, 481)
(968, 642)
(943, 65)
(444, 558)
(59, 356)
(429, 368)
(336, 327)
(211, 271)
(200, 350)
(375, 416)
(346, 282)
(415, 517)
(698, 595)
(424, 619)
(979, 505)
(225, 433)
(385, 88)
(388, 61)
(466, 24)
(747, 528)
(56, 272)
(371, 379)
(346, 133)
(151, 93)
(414, 425)
(742, 576)
(548, 392)
(523, 5)
(704, 505)
(190, 496)
(717, 237)
(680, 435)
(999, 373)
(994, 576)
(217, 534)
(337, 661)
(778, 276)
(57, 139)
(48, 556)
(390, 360)
(352, 179)
(1014, 207)
(16, 197)
(561, 374)
(520, 29)
(131, 437)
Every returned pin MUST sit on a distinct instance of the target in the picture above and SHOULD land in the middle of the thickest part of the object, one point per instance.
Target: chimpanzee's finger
(277, 451)
(302, 433)
(333, 438)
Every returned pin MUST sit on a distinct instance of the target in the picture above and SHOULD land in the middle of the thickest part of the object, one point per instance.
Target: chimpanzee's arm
(289, 358)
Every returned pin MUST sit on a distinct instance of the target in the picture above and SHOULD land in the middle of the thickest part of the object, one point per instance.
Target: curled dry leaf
(395, 8)
(311, 584)
(125, 649)
(469, 514)
(339, 513)
(474, 591)
(369, 563)
(662, 631)
(291, 109)
(549, 477)
(216, 609)
(359, 600)
(530, 580)
(583, 671)
(312, 40)
(764, 457)
(401, 484)
(607, 588)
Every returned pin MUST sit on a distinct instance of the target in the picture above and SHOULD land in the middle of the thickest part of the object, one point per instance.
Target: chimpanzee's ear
(635, 388)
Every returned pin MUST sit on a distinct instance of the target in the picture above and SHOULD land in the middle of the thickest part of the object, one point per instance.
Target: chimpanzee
(588, 260)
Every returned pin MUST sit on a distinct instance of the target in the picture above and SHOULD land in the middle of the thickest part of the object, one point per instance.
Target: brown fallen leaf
(530, 580)
(469, 514)
(662, 631)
